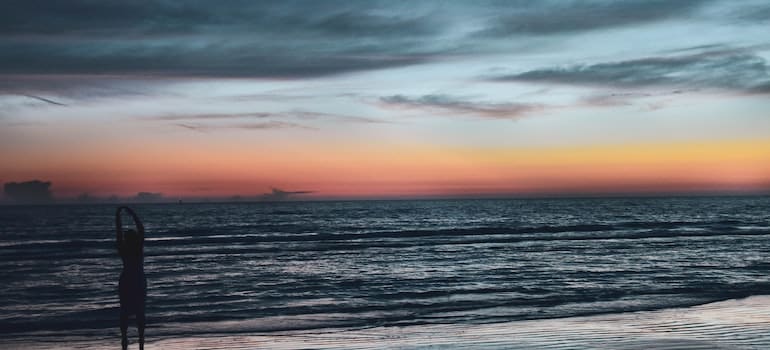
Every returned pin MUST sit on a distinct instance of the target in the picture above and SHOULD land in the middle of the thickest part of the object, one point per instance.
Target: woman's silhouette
(132, 287)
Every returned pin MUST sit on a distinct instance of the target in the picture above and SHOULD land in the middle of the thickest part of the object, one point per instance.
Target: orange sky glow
(406, 170)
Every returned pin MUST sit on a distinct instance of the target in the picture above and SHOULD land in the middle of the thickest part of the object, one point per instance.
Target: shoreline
(731, 324)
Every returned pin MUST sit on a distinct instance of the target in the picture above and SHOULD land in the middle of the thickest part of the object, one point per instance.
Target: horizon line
(230, 200)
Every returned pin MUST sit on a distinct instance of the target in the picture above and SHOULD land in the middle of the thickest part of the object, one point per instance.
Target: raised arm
(118, 227)
(138, 222)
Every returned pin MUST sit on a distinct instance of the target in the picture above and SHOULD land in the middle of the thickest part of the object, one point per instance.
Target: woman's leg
(123, 314)
(123, 328)
(140, 320)
(140, 323)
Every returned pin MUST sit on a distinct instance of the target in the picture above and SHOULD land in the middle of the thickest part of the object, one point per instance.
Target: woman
(132, 287)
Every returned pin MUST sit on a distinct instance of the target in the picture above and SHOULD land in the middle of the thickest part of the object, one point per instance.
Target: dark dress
(132, 286)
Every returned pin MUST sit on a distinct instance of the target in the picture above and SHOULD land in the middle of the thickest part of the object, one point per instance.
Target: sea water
(261, 268)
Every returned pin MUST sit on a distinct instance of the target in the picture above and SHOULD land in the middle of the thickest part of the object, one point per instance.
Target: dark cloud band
(281, 39)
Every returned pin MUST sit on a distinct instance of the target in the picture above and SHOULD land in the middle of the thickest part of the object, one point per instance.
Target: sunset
(355, 100)
(411, 168)
(328, 174)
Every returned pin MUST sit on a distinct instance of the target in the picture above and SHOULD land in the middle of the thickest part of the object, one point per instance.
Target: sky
(381, 99)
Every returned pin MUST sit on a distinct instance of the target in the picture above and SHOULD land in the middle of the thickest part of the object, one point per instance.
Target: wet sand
(732, 324)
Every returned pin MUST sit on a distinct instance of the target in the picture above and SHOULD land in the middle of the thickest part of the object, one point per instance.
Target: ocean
(310, 267)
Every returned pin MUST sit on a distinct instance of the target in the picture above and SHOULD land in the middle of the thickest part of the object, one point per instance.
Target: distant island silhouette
(277, 194)
(29, 192)
(40, 192)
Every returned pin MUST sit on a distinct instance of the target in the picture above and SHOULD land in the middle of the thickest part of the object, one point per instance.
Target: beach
(731, 324)
(385, 174)
(550, 273)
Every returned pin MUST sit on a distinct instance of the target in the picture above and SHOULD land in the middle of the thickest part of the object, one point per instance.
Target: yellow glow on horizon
(403, 170)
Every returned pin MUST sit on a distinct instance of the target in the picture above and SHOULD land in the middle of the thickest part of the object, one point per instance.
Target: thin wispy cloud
(268, 125)
(330, 116)
(192, 127)
(79, 87)
(613, 99)
(643, 101)
(46, 100)
(736, 70)
(459, 106)
(293, 114)
(210, 116)
(560, 17)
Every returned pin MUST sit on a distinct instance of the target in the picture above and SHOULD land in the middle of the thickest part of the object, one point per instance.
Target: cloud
(287, 39)
(154, 18)
(280, 195)
(243, 126)
(298, 114)
(763, 88)
(209, 60)
(29, 192)
(10, 104)
(205, 39)
(209, 116)
(736, 70)
(754, 13)
(205, 122)
(319, 115)
(108, 47)
(613, 99)
(46, 100)
(454, 105)
(270, 125)
(76, 87)
(557, 17)
(353, 22)
(647, 101)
